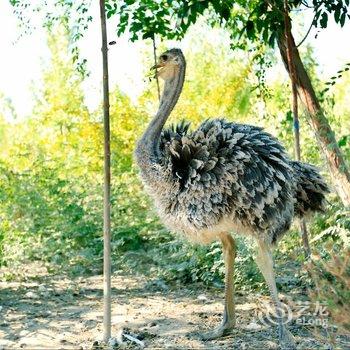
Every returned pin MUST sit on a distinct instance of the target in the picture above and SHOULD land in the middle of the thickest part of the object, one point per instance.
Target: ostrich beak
(158, 65)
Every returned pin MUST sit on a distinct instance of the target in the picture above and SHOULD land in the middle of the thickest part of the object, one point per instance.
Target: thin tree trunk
(155, 62)
(107, 184)
(319, 123)
(297, 148)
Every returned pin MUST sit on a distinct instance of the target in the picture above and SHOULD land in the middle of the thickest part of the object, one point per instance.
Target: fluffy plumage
(310, 191)
(232, 176)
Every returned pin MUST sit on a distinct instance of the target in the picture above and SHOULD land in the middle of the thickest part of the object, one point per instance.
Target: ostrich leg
(265, 262)
(228, 322)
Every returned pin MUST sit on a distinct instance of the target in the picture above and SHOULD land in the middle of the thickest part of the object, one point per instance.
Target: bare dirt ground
(39, 311)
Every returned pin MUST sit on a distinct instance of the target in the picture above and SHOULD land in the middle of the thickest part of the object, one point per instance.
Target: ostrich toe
(218, 332)
(286, 339)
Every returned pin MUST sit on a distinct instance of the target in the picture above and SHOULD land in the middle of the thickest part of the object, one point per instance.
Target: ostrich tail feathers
(311, 189)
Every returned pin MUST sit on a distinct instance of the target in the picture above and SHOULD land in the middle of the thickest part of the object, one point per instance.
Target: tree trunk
(338, 169)
(107, 184)
(297, 147)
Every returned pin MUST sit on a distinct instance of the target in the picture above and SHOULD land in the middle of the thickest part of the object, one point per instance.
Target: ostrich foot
(286, 339)
(218, 332)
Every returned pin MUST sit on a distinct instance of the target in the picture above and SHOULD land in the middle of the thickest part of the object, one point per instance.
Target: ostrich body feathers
(229, 177)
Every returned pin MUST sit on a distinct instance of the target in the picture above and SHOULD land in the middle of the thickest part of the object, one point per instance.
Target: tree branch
(307, 33)
(155, 62)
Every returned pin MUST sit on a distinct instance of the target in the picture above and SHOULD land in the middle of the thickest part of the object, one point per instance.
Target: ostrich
(220, 178)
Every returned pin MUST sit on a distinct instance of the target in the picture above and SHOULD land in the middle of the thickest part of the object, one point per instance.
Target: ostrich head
(171, 68)
(170, 64)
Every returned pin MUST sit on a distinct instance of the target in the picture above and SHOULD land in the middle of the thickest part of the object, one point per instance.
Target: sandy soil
(39, 311)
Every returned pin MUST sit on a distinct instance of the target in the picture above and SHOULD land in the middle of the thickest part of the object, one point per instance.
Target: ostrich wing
(224, 168)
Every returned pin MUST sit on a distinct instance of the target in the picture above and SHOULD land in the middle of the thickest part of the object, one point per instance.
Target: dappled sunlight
(56, 311)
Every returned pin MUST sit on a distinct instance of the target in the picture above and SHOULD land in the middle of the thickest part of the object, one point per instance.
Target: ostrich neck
(172, 90)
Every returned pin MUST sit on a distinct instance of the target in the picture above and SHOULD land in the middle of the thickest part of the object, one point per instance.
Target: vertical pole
(155, 62)
(107, 185)
(297, 153)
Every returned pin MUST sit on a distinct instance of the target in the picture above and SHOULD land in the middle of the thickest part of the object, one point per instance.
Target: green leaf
(147, 35)
(225, 13)
(342, 19)
(289, 116)
(250, 29)
(265, 34)
(272, 39)
(324, 20)
(343, 140)
(337, 14)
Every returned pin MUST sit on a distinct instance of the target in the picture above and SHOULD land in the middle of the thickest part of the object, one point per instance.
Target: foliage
(329, 268)
(333, 287)
(50, 202)
(323, 9)
(252, 21)
(252, 26)
(336, 102)
(247, 22)
(51, 171)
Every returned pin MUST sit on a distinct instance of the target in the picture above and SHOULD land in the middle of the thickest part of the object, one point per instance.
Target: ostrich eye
(164, 57)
